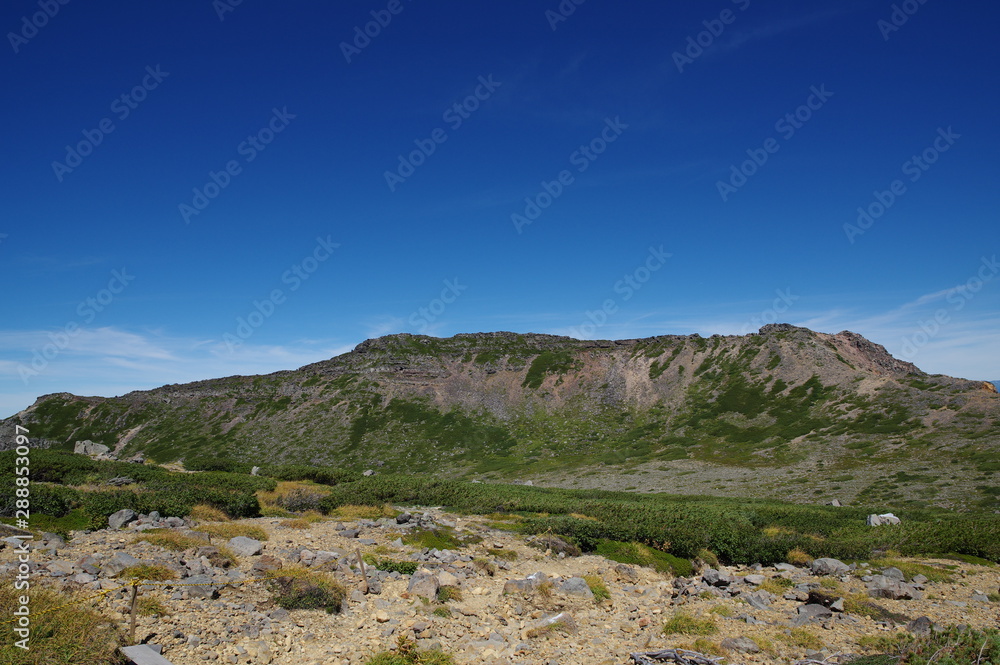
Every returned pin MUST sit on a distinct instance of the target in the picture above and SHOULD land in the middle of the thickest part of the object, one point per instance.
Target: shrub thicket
(735, 530)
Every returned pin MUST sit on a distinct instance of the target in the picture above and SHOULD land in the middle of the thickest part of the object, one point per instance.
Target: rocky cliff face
(670, 413)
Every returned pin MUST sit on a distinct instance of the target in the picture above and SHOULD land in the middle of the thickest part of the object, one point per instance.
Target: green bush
(735, 530)
(51, 500)
(299, 589)
(216, 463)
(951, 647)
(319, 475)
(641, 555)
(390, 565)
(685, 624)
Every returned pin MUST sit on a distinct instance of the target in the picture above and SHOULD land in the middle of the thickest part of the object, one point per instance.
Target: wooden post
(131, 629)
(364, 574)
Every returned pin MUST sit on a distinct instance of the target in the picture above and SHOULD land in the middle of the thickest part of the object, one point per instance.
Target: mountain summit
(784, 411)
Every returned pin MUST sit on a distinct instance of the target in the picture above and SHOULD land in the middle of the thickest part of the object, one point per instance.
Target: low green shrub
(390, 565)
(683, 623)
(296, 588)
(642, 555)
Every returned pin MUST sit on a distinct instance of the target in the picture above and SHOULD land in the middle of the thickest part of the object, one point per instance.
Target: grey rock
(627, 572)
(88, 447)
(716, 578)
(121, 518)
(526, 585)
(423, 583)
(563, 621)
(755, 580)
(89, 564)
(403, 518)
(919, 579)
(881, 586)
(921, 626)
(116, 564)
(759, 600)
(882, 520)
(576, 586)
(325, 556)
(368, 472)
(814, 611)
(266, 563)
(254, 471)
(60, 568)
(894, 573)
(827, 566)
(279, 614)
(201, 586)
(120, 480)
(741, 644)
(837, 605)
(980, 597)
(243, 546)
(835, 502)
(53, 540)
(787, 567)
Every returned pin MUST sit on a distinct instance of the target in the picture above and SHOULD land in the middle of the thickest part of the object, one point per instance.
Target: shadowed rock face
(548, 406)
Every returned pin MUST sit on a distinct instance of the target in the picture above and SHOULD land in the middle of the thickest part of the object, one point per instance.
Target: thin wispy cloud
(738, 36)
(137, 360)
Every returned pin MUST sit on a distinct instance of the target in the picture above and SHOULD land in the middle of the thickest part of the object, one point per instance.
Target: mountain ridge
(671, 411)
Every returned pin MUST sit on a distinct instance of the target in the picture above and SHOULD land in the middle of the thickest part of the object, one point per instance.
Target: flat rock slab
(827, 566)
(141, 654)
(243, 546)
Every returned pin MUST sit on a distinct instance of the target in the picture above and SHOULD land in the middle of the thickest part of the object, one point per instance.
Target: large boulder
(423, 583)
(562, 622)
(576, 586)
(527, 585)
(122, 518)
(881, 586)
(267, 563)
(882, 520)
(828, 566)
(243, 546)
(921, 626)
(716, 577)
(758, 599)
(200, 586)
(88, 447)
(742, 644)
(894, 573)
(116, 564)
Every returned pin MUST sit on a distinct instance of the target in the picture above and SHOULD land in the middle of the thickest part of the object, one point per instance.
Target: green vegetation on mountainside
(505, 405)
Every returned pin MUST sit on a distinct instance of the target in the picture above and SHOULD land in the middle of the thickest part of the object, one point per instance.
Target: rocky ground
(518, 604)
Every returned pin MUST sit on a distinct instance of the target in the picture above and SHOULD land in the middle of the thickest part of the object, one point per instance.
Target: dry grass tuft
(233, 529)
(206, 513)
(77, 633)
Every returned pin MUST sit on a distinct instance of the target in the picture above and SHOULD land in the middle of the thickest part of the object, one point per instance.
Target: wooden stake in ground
(131, 628)
(364, 574)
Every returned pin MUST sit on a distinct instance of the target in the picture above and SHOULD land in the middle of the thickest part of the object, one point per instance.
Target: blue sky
(199, 189)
